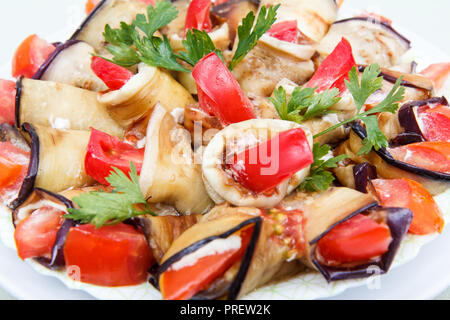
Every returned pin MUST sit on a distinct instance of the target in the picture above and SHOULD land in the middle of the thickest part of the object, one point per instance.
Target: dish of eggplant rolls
(227, 149)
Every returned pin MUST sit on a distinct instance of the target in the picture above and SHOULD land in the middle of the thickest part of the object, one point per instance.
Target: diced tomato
(113, 75)
(435, 122)
(13, 169)
(357, 239)
(36, 234)
(334, 70)
(30, 55)
(266, 165)
(184, 283)
(438, 73)
(431, 155)
(198, 16)
(111, 256)
(405, 193)
(7, 101)
(105, 152)
(285, 31)
(219, 92)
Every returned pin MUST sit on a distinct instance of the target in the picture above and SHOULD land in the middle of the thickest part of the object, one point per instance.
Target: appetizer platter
(232, 149)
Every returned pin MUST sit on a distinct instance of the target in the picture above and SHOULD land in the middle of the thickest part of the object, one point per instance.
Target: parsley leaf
(304, 104)
(370, 82)
(319, 178)
(197, 44)
(249, 33)
(103, 208)
(160, 15)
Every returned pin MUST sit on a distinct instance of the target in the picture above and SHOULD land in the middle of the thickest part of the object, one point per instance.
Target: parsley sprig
(304, 104)
(319, 178)
(108, 208)
(129, 47)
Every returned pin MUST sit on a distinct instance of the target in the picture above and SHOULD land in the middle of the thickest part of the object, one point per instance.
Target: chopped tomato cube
(438, 73)
(13, 169)
(435, 122)
(30, 55)
(113, 75)
(7, 101)
(285, 31)
(198, 16)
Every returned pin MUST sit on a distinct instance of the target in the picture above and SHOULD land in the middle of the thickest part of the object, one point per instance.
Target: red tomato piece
(285, 31)
(219, 92)
(113, 75)
(30, 55)
(357, 239)
(266, 165)
(36, 234)
(7, 101)
(13, 169)
(110, 256)
(184, 283)
(435, 123)
(406, 193)
(438, 73)
(105, 152)
(90, 5)
(430, 155)
(334, 70)
(198, 16)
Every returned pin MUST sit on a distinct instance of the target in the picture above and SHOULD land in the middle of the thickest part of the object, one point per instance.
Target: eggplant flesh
(371, 41)
(110, 12)
(40, 198)
(70, 64)
(62, 106)
(209, 230)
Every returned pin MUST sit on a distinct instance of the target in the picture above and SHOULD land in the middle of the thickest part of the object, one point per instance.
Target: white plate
(422, 278)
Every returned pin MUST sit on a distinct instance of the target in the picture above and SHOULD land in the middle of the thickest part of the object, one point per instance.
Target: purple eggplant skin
(405, 138)
(19, 89)
(398, 221)
(384, 154)
(363, 173)
(59, 48)
(235, 287)
(88, 19)
(28, 183)
(407, 114)
(381, 23)
(57, 260)
(392, 79)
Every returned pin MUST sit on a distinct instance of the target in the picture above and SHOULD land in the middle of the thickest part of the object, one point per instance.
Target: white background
(56, 19)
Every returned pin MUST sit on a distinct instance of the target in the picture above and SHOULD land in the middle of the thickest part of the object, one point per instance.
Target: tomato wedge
(36, 234)
(334, 70)
(357, 239)
(30, 55)
(113, 75)
(198, 16)
(435, 122)
(105, 152)
(13, 169)
(110, 256)
(438, 73)
(285, 31)
(406, 193)
(266, 165)
(184, 283)
(429, 155)
(219, 92)
(7, 101)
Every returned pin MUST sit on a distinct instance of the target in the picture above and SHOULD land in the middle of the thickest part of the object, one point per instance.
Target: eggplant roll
(62, 106)
(314, 17)
(236, 138)
(57, 159)
(110, 12)
(388, 167)
(328, 210)
(372, 41)
(262, 255)
(169, 173)
(70, 64)
(142, 92)
(40, 199)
